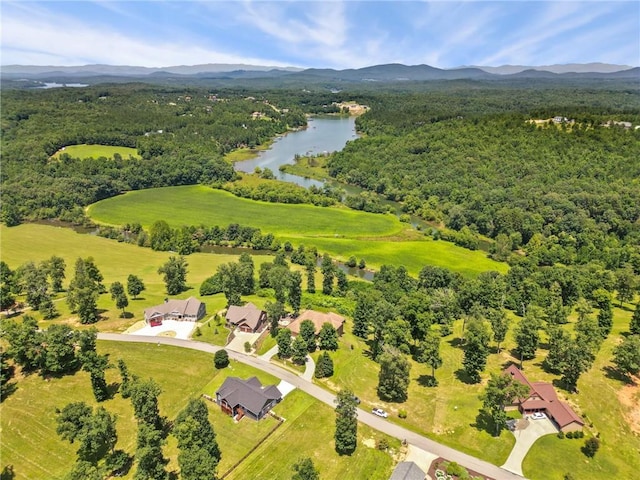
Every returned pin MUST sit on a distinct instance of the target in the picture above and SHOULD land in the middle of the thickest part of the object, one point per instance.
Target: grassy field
(116, 261)
(380, 239)
(30, 444)
(96, 151)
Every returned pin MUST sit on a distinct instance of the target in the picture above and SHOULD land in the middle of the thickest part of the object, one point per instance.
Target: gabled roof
(407, 471)
(249, 393)
(547, 399)
(318, 319)
(248, 315)
(188, 307)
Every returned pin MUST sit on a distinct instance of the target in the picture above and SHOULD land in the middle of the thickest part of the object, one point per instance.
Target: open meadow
(96, 151)
(341, 232)
(30, 444)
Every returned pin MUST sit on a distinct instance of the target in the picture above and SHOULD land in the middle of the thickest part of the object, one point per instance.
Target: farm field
(96, 151)
(380, 239)
(31, 445)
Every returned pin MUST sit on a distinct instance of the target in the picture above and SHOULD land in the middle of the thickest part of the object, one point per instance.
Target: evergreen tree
(299, 350)
(308, 334)
(96, 365)
(221, 359)
(247, 272)
(346, 434)
(284, 343)
(311, 276)
(365, 305)
(324, 366)
(327, 274)
(327, 337)
(393, 379)
(295, 291)
(275, 311)
(342, 282)
(125, 380)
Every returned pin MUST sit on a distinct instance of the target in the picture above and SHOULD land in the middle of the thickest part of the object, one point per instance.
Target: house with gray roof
(238, 397)
(190, 310)
(247, 318)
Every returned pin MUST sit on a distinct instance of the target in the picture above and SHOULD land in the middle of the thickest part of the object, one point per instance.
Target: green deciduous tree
(299, 350)
(135, 286)
(308, 334)
(96, 365)
(149, 456)
(174, 273)
(634, 324)
(86, 285)
(199, 452)
(499, 325)
(311, 276)
(119, 296)
(328, 274)
(94, 431)
(625, 284)
(626, 355)
(55, 268)
(275, 311)
(362, 314)
(295, 291)
(476, 349)
(346, 433)
(527, 334)
(501, 391)
(428, 352)
(393, 379)
(144, 398)
(559, 342)
(305, 470)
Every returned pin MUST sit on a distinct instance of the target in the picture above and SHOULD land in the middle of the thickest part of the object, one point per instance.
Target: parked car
(538, 416)
(380, 412)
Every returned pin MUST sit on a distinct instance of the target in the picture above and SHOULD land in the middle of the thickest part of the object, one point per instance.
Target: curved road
(367, 418)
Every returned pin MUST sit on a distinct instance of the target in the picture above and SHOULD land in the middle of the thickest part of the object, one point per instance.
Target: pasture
(341, 232)
(30, 444)
(96, 151)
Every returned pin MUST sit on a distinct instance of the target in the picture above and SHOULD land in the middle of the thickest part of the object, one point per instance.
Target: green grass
(96, 151)
(30, 444)
(31, 242)
(195, 205)
(379, 239)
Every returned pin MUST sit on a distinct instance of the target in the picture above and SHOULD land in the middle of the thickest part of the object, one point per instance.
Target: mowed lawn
(31, 242)
(96, 151)
(30, 444)
(202, 205)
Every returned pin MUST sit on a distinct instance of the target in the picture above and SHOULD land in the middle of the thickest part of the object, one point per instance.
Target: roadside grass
(293, 440)
(32, 242)
(96, 151)
(197, 205)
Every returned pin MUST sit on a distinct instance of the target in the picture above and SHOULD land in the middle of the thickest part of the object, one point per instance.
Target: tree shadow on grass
(126, 315)
(427, 381)
(615, 374)
(462, 375)
(7, 390)
(456, 342)
(7, 473)
(112, 389)
(484, 422)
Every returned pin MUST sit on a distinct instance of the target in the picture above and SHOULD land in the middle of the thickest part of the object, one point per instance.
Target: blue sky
(331, 34)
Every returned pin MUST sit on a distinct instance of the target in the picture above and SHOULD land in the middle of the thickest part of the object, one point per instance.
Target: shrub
(197, 332)
(580, 434)
(382, 444)
(560, 434)
(591, 446)
(569, 435)
(221, 359)
(247, 347)
(402, 414)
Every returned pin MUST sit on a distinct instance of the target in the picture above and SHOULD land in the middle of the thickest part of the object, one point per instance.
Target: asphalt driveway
(525, 438)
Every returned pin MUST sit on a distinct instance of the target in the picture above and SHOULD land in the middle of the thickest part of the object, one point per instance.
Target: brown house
(318, 319)
(543, 398)
(189, 310)
(247, 318)
(238, 397)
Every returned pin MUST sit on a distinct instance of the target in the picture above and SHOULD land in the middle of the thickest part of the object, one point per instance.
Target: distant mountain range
(390, 73)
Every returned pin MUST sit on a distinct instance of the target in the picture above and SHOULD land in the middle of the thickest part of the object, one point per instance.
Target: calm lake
(322, 135)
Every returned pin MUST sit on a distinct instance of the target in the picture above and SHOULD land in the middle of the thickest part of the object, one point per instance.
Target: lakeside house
(247, 318)
(238, 397)
(318, 319)
(189, 310)
(543, 398)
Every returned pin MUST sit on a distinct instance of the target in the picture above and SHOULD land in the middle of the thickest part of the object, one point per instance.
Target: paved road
(367, 418)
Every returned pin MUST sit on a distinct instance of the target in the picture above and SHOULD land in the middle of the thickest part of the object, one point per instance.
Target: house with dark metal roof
(238, 397)
(407, 471)
(543, 398)
(190, 310)
(247, 318)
